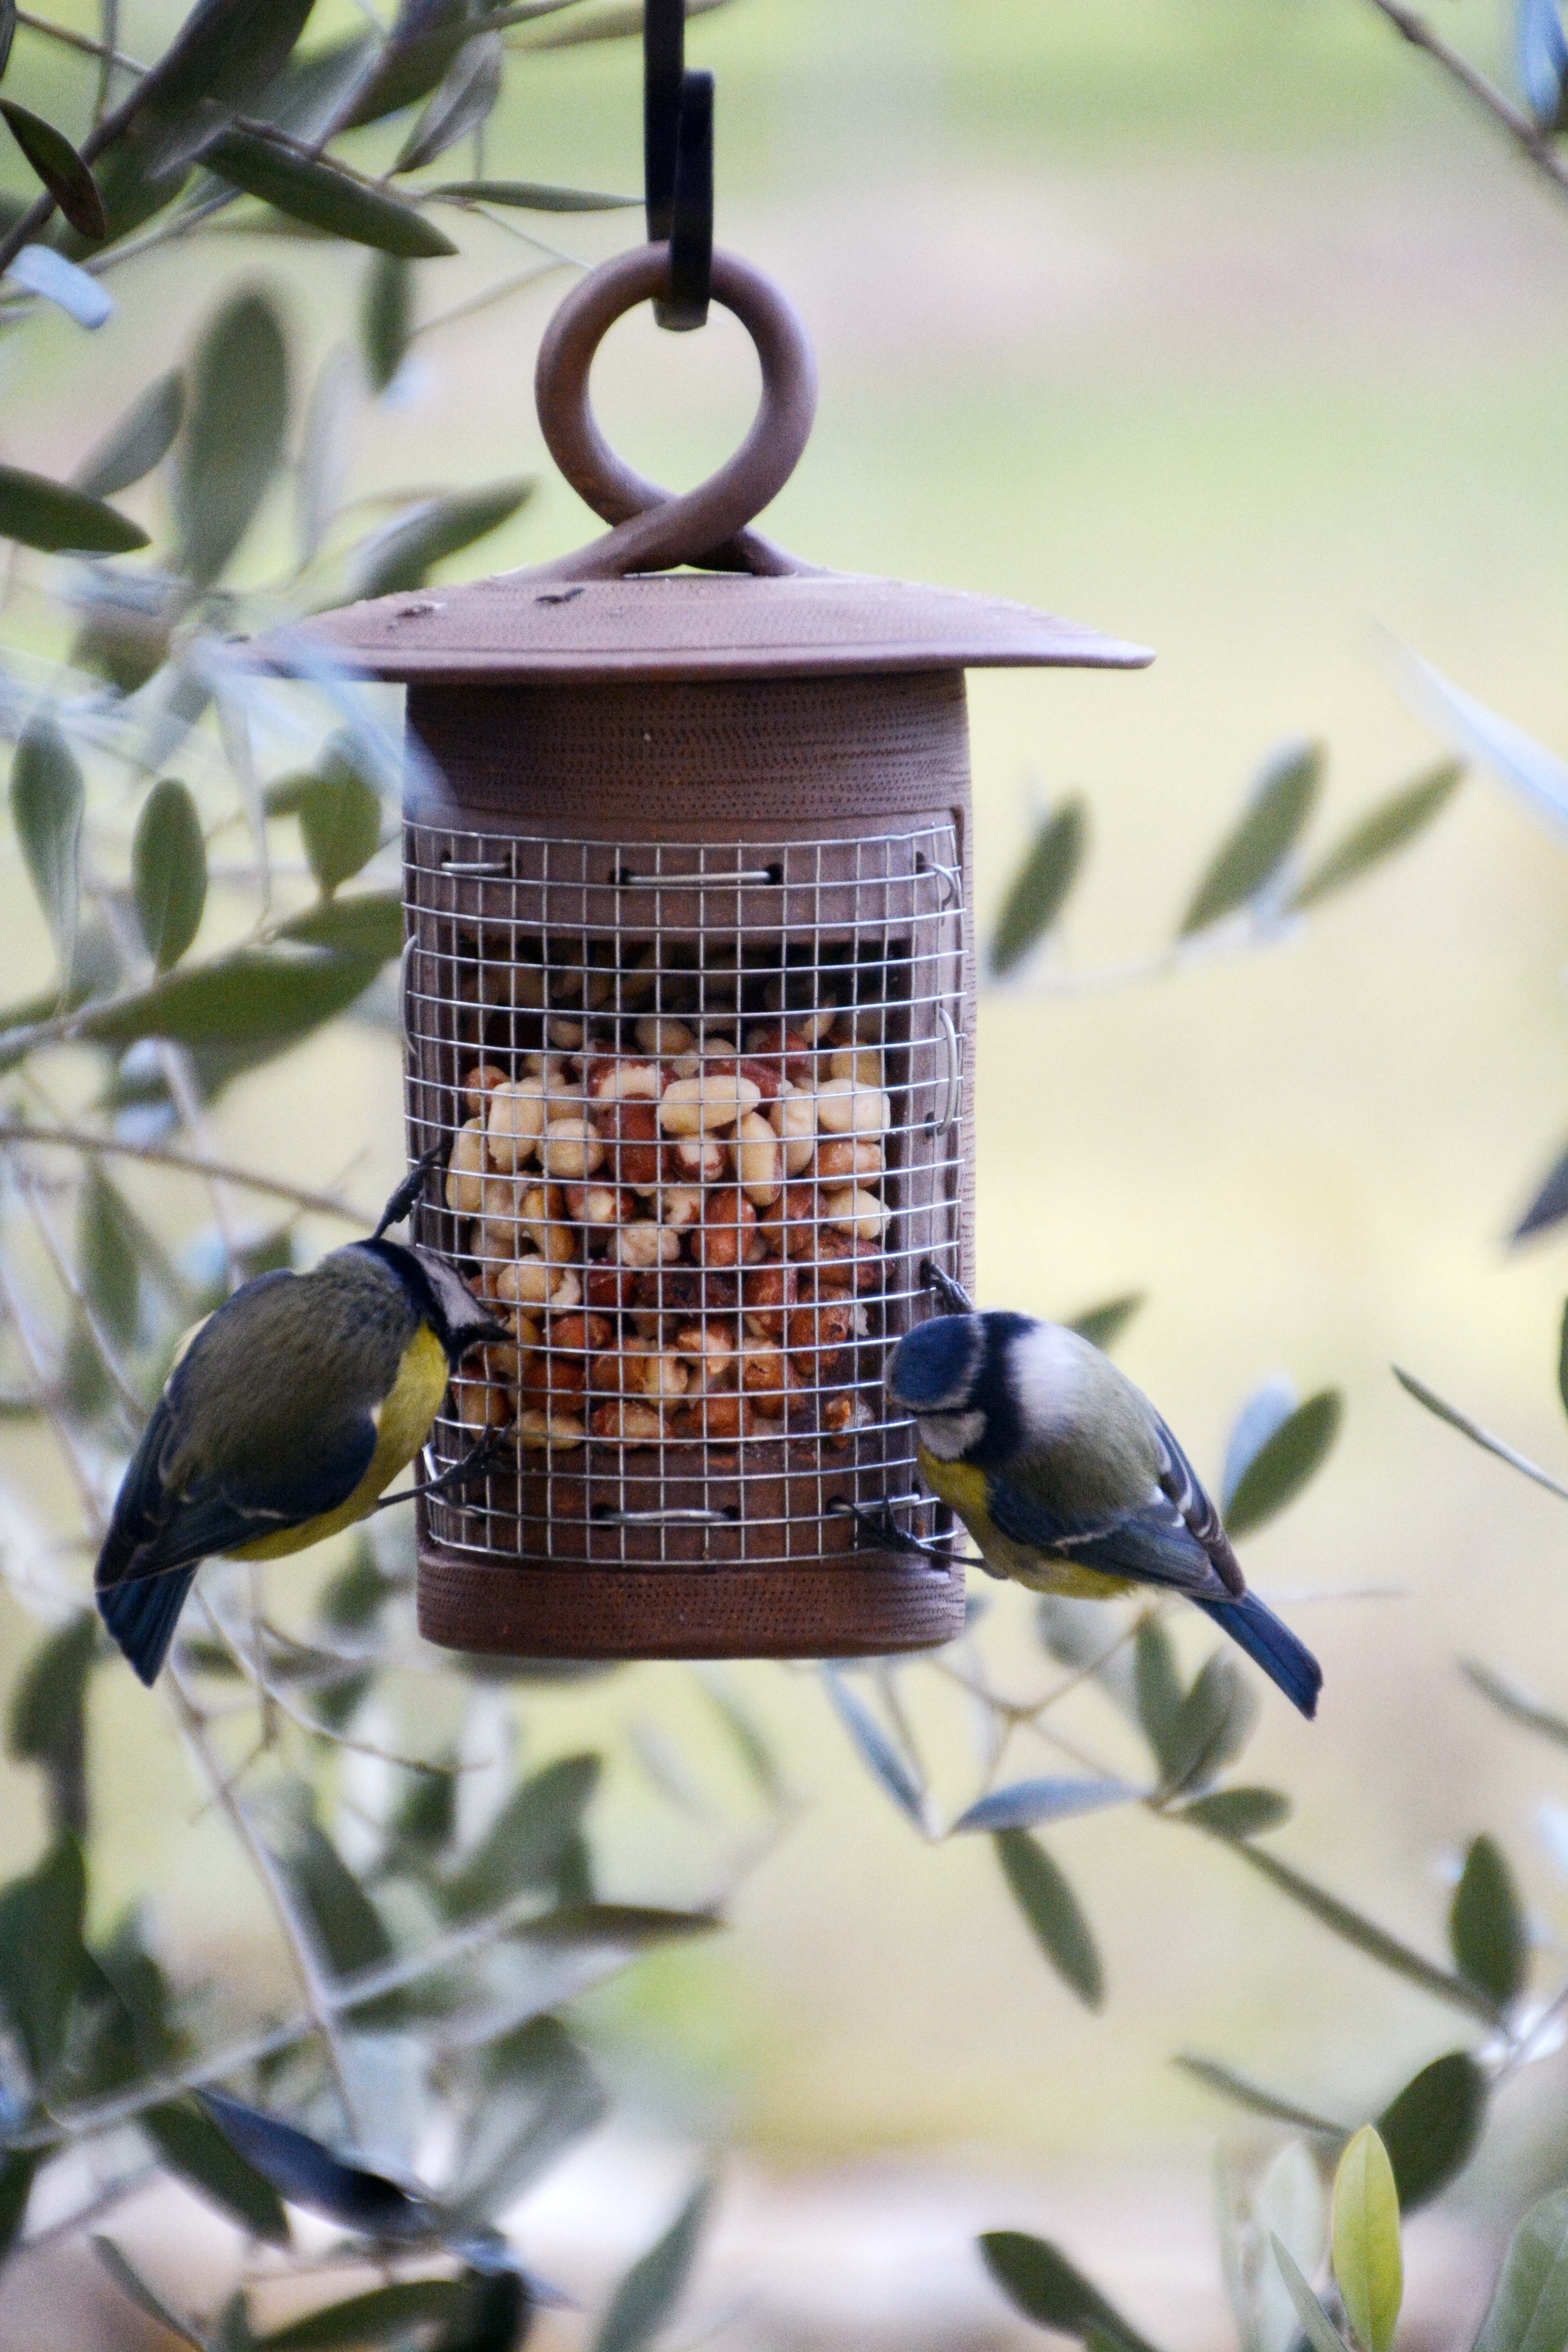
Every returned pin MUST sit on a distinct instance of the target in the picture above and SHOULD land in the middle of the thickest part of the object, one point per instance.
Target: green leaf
(1516, 1704)
(1051, 1908)
(347, 1926)
(110, 1271)
(1475, 1434)
(46, 1703)
(1280, 802)
(250, 998)
(524, 1844)
(60, 519)
(369, 924)
(371, 2319)
(877, 1752)
(60, 168)
(41, 1952)
(1384, 829)
(463, 102)
(611, 25)
(191, 2144)
(225, 56)
(1038, 891)
(169, 872)
(47, 804)
(748, 1741)
(17, 2170)
(1159, 1694)
(542, 2095)
(1368, 2263)
(1377, 1945)
(1254, 2098)
(311, 190)
(1284, 1463)
(340, 818)
(1042, 2284)
(7, 31)
(531, 197)
(1238, 1812)
(385, 319)
(134, 2287)
(1213, 1724)
(1529, 2312)
(1103, 1326)
(1486, 1925)
(401, 557)
(1322, 2334)
(324, 451)
(1430, 2130)
(648, 2294)
(233, 442)
(139, 440)
(1027, 1804)
(1289, 2205)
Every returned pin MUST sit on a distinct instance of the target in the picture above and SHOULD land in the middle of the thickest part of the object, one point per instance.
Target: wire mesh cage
(688, 1007)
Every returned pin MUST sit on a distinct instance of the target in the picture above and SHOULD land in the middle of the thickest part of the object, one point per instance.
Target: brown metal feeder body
(688, 999)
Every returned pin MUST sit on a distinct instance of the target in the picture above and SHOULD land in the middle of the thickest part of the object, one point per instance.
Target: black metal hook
(678, 164)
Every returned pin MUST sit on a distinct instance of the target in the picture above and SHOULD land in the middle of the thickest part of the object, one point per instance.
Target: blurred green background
(1218, 324)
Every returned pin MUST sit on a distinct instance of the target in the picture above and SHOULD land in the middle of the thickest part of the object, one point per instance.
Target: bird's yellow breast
(965, 1489)
(402, 1426)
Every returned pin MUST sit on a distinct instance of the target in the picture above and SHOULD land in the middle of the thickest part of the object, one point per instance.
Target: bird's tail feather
(141, 1613)
(1272, 1645)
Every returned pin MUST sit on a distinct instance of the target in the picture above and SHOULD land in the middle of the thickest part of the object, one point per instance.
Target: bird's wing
(1180, 1483)
(1150, 1545)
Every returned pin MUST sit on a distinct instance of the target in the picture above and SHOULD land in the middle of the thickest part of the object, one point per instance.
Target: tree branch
(1526, 134)
(80, 1139)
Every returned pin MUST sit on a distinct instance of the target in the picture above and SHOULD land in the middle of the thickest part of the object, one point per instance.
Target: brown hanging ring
(653, 529)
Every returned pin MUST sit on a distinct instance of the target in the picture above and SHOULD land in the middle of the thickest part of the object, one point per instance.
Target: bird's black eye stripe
(992, 1392)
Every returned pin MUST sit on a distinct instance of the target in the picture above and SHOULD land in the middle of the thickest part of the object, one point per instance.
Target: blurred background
(1218, 324)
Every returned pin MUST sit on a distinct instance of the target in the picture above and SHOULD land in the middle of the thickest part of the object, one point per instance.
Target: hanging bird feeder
(688, 1002)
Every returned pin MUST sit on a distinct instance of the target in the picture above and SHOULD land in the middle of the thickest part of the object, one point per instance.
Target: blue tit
(288, 1413)
(1070, 1481)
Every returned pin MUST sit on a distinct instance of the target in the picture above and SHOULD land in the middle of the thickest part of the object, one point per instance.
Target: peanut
(658, 1036)
(596, 1204)
(759, 1161)
(515, 1120)
(543, 1227)
(620, 1078)
(536, 1429)
(478, 1084)
(479, 1404)
(710, 1350)
(626, 1423)
(728, 1229)
(645, 1245)
(712, 1098)
(630, 1128)
(465, 1165)
(855, 1211)
(571, 1149)
(766, 1294)
(846, 1107)
(861, 1065)
(793, 1120)
(681, 1205)
(697, 1159)
(842, 1156)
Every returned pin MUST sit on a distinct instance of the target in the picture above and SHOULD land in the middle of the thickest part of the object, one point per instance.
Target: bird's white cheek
(949, 1435)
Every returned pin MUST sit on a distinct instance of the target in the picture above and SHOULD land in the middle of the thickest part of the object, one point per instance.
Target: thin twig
(1525, 132)
(483, 302)
(77, 1138)
(66, 1273)
(83, 42)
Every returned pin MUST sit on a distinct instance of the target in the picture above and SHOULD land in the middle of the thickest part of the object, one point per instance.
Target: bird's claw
(955, 1299)
(408, 1193)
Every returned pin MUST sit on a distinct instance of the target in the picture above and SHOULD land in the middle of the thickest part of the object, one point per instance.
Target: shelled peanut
(680, 1232)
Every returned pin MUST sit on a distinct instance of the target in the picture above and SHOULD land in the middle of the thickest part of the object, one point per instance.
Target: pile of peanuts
(679, 1232)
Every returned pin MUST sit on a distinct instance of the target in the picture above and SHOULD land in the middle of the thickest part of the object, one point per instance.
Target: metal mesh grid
(702, 1107)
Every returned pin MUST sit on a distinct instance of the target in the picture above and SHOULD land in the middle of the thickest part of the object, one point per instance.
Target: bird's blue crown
(935, 1366)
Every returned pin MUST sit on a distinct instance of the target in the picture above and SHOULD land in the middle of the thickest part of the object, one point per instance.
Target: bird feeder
(688, 1007)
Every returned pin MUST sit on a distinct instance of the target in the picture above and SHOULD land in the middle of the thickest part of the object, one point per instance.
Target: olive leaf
(60, 168)
(382, 2312)
(401, 557)
(1289, 2209)
(1487, 1931)
(106, 1260)
(1238, 1812)
(1247, 860)
(1322, 2334)
(530, 196)
(1431, 2129)
(1038, 891)
(1475, 1434)
(58, 520)
(137, 441)
(232, 445)
(339, 811)
(311, 190)
(524, 1844)
(1103, 1326)
(878, 1751)
(650, 2290)
(542, 2095)
(305, 2171)
(191, 2144)
(1383, 830)
(1516, 1704)
(325, 448)
(1027, 1804)
(385, 317)
(1055, 1915)
(223, 57)
(17, 2170)
(42, 1956)
(1541, 47)
(251, 1000)
(1548, 1204)
(1368, 2263)
(47, 1724)
(1284, 1463)
(168, 872)
(1529, 2311)
(1046, 2287)
(464, 101)
(1159, 1694)
(1254, 2098)
(7, 31)
(47, 805)
(1212, 1726)
(345, 1926)
(611, 25)
(370, 924)
(135, 2289)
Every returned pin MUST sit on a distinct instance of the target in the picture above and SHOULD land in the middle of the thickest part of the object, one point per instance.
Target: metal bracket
(677, 166)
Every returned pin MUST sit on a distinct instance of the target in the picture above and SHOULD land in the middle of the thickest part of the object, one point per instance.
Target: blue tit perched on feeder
(288, 1413)
(1070, 1481)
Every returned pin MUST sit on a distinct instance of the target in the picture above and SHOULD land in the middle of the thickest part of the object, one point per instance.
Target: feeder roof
(523, 628)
